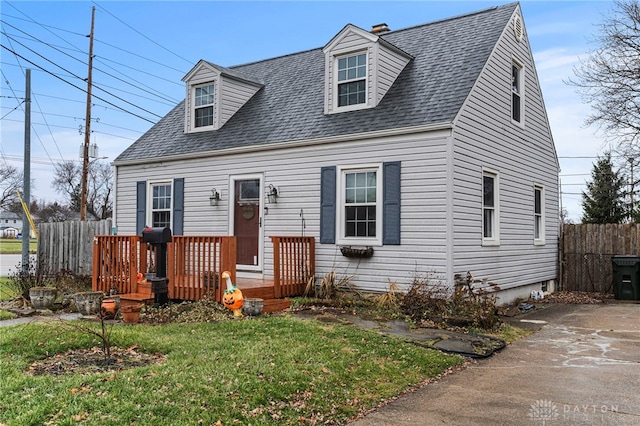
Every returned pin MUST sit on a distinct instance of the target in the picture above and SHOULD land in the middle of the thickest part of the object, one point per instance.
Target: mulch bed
(90, 361)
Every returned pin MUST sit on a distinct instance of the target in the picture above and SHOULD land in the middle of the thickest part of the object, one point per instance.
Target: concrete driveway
(581, 367)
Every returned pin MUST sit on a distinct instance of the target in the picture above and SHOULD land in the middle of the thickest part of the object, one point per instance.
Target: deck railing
(116, 262)
(195, 264)
(198, 263)
(293, 264)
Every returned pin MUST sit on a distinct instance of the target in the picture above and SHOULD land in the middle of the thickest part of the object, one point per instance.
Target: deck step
(135, 298)
(276, 305)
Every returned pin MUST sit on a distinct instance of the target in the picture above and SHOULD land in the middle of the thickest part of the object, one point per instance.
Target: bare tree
(68, 181)
(10, 181)
(609, 79)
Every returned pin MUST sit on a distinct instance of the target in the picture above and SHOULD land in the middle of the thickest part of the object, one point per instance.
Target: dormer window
(360, 67)
(352, 80)
(213, 95)
(204, 99)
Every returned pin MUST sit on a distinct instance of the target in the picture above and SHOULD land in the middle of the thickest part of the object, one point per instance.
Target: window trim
(193, 107)
(151, 210)
(539, 239)
(521, 94)
(341, 173)
(335, 83)
(494, 239)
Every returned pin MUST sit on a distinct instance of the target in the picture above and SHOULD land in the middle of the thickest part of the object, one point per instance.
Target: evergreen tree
(604, 200)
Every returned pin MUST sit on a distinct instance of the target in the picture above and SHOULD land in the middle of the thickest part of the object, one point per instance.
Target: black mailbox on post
(156, 235)
(158, 238)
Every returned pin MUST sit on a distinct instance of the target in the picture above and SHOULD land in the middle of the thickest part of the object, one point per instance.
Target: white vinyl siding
(486, 136)
(296, 173)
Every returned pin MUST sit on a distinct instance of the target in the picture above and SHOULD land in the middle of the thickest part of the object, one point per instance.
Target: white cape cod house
(424, 150)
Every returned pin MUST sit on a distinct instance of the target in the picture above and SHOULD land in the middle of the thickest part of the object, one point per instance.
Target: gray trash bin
(626, 277)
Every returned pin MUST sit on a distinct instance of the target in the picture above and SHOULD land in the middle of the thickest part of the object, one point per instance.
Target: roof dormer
(214, 94)
(360, 67)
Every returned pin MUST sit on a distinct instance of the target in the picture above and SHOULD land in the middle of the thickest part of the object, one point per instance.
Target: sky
(143, 49)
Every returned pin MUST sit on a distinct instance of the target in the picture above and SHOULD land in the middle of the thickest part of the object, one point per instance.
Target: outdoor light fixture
(272, 194)
(214, 198)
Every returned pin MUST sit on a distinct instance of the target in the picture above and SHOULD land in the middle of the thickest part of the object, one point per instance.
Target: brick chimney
(380, 28)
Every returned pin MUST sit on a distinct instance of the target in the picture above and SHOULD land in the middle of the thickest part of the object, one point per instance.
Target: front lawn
(14, 246)
(269, 370)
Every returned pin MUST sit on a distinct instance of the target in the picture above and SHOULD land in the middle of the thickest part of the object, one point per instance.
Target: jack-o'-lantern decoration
(232, 297)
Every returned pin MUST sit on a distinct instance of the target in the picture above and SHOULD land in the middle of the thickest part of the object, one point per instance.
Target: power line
(139, 33)
(80, 88)
(149, 90)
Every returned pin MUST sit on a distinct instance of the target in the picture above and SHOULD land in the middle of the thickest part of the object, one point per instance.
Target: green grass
(7, 289)
(269, 370)
(14, 246)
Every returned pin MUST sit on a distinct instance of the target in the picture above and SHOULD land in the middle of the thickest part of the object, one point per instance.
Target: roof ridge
(464, 15)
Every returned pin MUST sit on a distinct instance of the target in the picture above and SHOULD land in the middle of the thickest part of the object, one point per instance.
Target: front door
(247, 222)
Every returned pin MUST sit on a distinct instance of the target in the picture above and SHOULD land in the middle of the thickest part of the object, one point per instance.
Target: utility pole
(87, 126)
(26, 182)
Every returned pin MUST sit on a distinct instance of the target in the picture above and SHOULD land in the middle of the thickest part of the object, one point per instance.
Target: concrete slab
(581, 367)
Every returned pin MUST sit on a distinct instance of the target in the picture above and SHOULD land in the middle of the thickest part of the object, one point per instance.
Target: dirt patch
(90, 361)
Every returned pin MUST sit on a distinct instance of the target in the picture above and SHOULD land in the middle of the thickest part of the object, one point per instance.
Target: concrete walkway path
(581, 367)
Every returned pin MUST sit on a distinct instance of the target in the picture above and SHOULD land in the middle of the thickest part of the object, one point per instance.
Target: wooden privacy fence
(586, 251)
(68, 245)
(194, 264)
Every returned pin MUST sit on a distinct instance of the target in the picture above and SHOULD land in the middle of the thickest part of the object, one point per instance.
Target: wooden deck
(194, 268)
(254, 288)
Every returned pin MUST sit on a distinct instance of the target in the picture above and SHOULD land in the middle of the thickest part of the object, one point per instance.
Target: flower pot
(108, 308)
(131, 314)
(252, 306)
(42, 298)
(88, 302)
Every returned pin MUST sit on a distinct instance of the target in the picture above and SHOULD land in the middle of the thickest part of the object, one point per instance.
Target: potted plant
(88, 302)
(42, 298)
(131, 313)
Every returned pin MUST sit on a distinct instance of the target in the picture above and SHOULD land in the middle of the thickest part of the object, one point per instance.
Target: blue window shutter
(328, 205)
(178, 206)
(391, 203)
(141, 205)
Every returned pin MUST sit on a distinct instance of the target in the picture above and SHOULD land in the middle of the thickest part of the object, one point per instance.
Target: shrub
(430, 299)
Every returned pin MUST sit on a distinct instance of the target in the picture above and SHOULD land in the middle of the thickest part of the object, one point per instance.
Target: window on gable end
(352, 79)
(517, 92)
(538, 215)
(490, 209)
(203, 98)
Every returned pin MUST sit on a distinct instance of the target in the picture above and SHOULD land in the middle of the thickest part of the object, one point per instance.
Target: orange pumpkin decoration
(232, 297)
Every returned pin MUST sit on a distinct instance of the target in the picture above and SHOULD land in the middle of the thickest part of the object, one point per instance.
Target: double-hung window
(538, 215)
(517, 92)
(161, 204)
(490, 211)
(352, 80)
(203, 97)
(361, 209)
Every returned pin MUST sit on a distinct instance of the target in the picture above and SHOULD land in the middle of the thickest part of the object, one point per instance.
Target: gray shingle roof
(448, 58)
